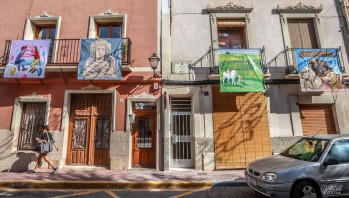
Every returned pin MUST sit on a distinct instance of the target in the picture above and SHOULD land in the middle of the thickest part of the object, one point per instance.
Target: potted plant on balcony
(124, 51)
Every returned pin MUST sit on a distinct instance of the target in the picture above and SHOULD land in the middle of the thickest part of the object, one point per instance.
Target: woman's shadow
(22, 163)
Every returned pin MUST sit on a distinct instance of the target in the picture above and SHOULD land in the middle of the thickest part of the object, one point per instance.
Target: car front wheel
(305, 189)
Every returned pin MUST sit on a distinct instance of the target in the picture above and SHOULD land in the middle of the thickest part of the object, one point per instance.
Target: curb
(101, 184)
(233, 183)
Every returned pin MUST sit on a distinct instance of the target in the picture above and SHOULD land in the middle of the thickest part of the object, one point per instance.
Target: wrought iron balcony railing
(67, 52)
(209, 57)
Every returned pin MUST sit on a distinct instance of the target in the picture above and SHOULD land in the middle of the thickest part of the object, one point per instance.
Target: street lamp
(154, 61)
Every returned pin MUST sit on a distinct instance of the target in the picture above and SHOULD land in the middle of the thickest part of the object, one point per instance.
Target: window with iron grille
(32, 120)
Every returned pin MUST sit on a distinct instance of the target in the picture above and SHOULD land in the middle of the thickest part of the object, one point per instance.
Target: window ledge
(67, 68)
(292, 76)
(213, 77)
(267, 76)
(217, 77)
(346, 78)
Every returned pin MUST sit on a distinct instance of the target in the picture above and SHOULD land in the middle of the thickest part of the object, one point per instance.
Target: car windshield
(306, 149)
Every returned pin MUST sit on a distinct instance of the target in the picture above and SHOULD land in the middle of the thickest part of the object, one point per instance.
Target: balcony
(285, 61)
(214, 70)
(65, 55)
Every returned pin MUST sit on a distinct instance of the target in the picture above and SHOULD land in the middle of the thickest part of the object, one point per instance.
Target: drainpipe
(163, 127)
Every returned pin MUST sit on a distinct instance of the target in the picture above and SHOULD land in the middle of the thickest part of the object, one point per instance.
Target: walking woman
(45, 137)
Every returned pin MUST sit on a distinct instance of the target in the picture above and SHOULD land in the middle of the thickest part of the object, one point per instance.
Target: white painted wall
(190, 38)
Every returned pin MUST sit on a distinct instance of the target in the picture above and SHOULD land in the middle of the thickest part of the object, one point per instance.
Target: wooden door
(241, 129)
(317, 119)
(102, 125)
(144, 141)
(89, 130)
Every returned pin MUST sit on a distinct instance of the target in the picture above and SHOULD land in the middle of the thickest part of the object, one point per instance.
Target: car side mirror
(330, 162)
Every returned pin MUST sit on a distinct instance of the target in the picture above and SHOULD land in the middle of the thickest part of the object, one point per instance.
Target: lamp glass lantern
(131, 118)
(154, 61)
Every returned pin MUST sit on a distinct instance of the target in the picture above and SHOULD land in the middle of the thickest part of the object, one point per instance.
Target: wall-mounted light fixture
(131, 118)
(154, 61)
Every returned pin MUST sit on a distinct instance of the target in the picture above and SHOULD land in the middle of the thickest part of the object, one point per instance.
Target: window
(107, 25)
(339, 151)
(301, 26)
(231, 34)
(231, 27)
(30, 113)
(33, 118)
(144, 106)
(42, 27)
(45, 32)
(145, 131)
(109, 31)
(302, 33)
(306, 149)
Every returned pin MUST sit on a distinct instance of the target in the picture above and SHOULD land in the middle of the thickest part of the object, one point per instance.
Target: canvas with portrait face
(101, 59)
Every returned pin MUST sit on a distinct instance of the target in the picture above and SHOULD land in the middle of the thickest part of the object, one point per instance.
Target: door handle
(174, 139)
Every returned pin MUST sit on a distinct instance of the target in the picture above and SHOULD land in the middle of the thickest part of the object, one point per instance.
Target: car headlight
(269, 176)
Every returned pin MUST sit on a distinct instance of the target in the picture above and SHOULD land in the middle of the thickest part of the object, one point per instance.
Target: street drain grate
(202, 174)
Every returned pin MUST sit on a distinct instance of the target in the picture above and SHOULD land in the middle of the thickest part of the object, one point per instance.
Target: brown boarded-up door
(241, 129)
(317, 119)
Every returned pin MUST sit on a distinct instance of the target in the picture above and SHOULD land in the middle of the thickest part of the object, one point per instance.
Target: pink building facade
(108, 123)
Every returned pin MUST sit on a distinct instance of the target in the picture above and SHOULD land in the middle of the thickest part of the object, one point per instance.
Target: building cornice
(229, 8)
(299, 8)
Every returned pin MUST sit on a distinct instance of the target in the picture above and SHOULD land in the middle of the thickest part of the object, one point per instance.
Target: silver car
(316, 166)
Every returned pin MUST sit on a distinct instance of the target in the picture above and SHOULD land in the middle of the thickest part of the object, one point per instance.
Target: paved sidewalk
(69, 178)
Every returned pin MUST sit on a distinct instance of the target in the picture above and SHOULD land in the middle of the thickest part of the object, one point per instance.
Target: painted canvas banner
(28, 59)
(101, 59)
(240, 70)
(319, 69)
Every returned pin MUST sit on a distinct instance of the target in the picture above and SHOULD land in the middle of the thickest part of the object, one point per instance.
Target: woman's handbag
(46, 147)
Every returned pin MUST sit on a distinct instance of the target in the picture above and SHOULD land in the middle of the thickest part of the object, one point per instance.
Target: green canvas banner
(240, 70)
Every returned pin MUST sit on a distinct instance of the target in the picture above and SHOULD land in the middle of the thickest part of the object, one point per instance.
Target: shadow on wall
(241, 129)
(22, 162)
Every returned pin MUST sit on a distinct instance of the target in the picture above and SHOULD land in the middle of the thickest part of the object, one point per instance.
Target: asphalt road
(219, 191)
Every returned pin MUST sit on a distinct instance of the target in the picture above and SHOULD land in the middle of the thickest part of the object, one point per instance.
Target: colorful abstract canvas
(101, 59)
(27, 59)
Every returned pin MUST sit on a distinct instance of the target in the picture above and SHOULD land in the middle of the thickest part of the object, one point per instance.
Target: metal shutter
(317, 119)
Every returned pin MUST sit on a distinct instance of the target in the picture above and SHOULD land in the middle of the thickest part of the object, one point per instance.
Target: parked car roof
(328, 137)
